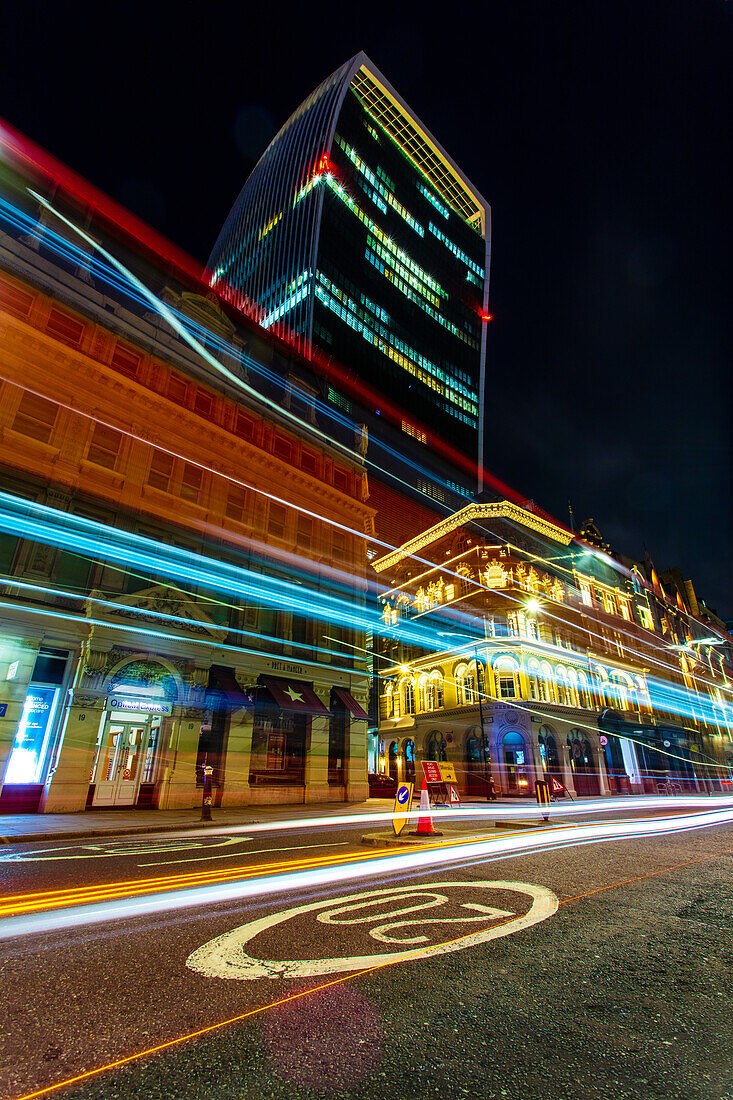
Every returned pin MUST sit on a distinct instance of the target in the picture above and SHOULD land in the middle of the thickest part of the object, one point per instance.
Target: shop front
(128, 749)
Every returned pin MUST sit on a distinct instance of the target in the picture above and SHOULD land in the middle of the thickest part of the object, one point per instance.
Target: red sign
(556, 786)
(432, 771)
(453, 796)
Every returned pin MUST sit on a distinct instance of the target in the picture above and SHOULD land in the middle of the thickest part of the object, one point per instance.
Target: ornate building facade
(182, 556)
(548, 657)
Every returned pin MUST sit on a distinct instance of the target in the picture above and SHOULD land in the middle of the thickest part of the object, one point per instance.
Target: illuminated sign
(28, 754)
(149, 706)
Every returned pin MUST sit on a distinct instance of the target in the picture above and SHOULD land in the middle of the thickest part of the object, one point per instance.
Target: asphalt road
(620, 988)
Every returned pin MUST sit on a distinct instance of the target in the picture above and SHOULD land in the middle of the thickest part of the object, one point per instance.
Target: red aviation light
(487, 316)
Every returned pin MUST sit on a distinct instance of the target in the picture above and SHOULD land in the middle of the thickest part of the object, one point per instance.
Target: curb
(24, 838)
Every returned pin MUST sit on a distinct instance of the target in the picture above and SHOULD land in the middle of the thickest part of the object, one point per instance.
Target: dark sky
(599, 131)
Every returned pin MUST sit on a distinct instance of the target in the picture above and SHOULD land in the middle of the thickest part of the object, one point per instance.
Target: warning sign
(453, 796)
(402, 806)
(556, 786)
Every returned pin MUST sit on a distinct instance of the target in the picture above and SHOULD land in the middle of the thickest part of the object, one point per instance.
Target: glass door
(120, 762)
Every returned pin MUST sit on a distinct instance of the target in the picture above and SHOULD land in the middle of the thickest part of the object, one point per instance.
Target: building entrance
(125, 758)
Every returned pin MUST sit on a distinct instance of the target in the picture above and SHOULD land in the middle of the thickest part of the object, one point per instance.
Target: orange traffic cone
(425, 822)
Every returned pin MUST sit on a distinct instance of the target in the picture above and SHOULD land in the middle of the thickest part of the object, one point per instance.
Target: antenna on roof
(572, 517)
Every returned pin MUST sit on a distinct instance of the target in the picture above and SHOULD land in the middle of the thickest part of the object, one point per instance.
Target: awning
(227, 690)
(296, 697)
(350, 703)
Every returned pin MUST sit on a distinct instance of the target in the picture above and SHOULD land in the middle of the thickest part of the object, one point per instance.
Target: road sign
(556, 786)
(402, 806)
(453, 796)
(438, 772)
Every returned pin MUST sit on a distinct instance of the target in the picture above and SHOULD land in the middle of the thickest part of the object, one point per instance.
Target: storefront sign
(27, 756)
(148, 706)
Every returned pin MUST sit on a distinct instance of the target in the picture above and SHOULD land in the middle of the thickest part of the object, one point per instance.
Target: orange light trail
(46, 1090)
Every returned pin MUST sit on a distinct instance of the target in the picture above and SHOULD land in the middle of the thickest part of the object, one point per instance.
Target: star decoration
(295, 696)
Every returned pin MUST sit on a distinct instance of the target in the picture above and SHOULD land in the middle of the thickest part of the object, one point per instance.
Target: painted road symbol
(225, 956)
(103, 849)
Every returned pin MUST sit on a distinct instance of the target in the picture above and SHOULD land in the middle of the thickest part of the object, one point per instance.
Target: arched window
(392, 761)
(436, 747)
(507, 680)
(534, 676)
(467, 685)
(584, 689)
(547, 684)
(573, 697)
(407, 690)
(435, 691)
(548, 750)
(561, 679)
(422, 691)
(387, 701)
(410, 761)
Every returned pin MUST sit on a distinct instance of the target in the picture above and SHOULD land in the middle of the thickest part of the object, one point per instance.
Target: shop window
(125, 361)
(236, 504)
(337, 731)
(276, 521)
(161, 471)
(104, 447)
(36, 417)
(191, 482)
(32, 742)
(64, 328)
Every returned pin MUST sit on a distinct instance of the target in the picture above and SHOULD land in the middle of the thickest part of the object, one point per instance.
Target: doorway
(515, 763)
(125, 758)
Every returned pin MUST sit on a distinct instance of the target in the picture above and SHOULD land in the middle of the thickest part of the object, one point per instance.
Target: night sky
(600, 133)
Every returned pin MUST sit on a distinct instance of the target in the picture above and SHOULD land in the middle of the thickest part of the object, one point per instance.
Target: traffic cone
(425, 822)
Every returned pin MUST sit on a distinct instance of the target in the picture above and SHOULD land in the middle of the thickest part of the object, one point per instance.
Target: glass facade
(356, 233)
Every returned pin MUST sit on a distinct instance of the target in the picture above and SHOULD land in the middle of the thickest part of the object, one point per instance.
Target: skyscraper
(358, 235)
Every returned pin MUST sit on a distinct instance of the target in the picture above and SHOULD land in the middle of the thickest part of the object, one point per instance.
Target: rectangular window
(645, 618)
(305, 532)
(340, 479)
(177, 389)
(236, 504)
(36, 417)
(506, 687)
(161, 470)
(309, 462)
(65, 328)
(339, 546)
(104, 447)
(15, 301)
(585, 594)
(244, 426)
(125, 361)
(410, 429)
(203, 403)
(276, 521)
(283, 448)
(191, 482)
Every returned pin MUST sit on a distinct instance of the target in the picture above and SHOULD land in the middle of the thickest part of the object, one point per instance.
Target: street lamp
(487, 768)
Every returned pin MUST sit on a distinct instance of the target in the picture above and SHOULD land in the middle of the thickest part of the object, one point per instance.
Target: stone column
(600, 753)
(236, 764)
(178, 789)
(316, 761)
(67, 785)
(355, 763)
(567, 771)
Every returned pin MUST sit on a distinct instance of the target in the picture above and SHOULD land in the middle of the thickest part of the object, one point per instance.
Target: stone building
(182, 553)
(545, 656)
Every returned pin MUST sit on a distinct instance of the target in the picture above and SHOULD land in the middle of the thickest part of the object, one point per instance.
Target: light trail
(33, 914)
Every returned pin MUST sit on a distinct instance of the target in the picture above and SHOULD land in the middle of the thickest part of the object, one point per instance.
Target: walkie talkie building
(356, 233)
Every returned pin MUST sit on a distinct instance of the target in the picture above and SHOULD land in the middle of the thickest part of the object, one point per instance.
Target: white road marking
(249, 852)
(107, 849)
(225, 957)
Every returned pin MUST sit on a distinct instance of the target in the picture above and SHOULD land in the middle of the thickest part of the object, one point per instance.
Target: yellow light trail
(46, 1090)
